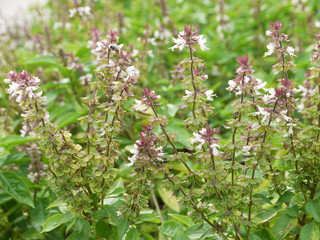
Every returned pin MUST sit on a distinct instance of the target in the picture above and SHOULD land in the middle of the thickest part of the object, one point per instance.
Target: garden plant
(161, 119)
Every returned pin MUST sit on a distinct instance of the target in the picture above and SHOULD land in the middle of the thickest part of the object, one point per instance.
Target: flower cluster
(148, 99)
(22, 86)
(73, 63)
(105, 48)
(245, 82)
(24, 89)
(206, 136)
(147, 160)
(81, 11)
(187, 38)
(222, 19)
(277, 39)
(146, 146)
(95, 35)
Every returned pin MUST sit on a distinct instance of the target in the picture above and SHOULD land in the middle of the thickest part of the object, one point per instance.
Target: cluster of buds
(207, 136)
(22, 86)
(189, 38)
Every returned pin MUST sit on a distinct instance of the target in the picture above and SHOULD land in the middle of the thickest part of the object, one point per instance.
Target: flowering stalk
(244, 69)
(190, 39)
(286, 85)
(249, 88)
(116, 75)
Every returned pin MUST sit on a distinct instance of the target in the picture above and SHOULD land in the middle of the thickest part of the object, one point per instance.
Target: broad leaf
(40, 214)
(14, 140)
(133, 234)
(182, 218)
(283, 226)
(122, 229)
(103, 229)
(56, 220)
(42, 61)
(310, 231)
(180, 236)
(170, 228)
(313, 209)
(169, 198)
(285, 197)
(16, 187)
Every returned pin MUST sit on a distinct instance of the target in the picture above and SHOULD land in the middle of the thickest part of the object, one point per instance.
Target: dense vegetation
(161, 119)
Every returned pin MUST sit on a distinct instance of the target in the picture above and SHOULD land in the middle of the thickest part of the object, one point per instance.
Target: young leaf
(197, 231)
(57, 203)
(16, 187)
(147, 236)
(285, 197)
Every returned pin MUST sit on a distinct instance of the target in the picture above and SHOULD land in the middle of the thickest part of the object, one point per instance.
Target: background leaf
(16, 187)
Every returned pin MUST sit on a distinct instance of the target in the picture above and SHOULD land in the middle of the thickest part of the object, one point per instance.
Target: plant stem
(155, 201)
(193, 84)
